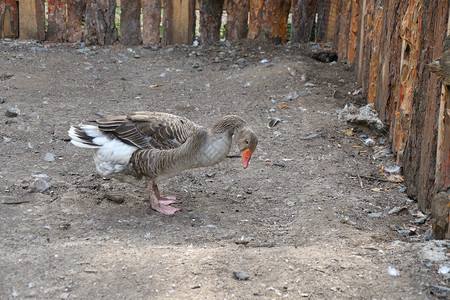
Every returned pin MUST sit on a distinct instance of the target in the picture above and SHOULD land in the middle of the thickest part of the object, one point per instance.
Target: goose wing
(149, 130)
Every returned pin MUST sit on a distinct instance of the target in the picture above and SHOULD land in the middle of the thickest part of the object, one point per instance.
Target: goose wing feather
(149, 130)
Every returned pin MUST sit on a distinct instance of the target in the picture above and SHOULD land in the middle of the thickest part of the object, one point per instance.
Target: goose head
(247, 141)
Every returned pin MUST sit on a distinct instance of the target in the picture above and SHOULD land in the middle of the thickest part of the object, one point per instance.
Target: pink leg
(161, 203)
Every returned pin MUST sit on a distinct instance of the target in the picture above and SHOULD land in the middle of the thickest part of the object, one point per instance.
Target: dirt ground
(309, 219)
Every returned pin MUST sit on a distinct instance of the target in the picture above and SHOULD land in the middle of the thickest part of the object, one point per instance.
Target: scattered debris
(309, 136)
(393, 271)
(115, 197)
(12, 112)
(240, 275)
(156, 85)
(397, 211)
(50, 157)
(273, 122)
(40, 185)
(365, 115)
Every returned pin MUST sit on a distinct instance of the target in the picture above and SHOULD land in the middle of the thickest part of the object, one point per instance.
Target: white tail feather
(97, 140)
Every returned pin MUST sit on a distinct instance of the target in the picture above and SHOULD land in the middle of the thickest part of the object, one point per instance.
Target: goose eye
(246, 142)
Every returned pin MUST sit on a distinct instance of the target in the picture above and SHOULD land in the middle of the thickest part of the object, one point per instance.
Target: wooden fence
(96, 21)
(390, 43)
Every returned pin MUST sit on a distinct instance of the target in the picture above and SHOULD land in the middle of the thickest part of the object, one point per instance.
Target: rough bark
(419, 157)
(130, 25)
(9, 19)
(56, 30)
(210, 21)
(302, 20)
(268, 20)
(100, 25)
(75, 12)
(237, 19)
(151, 14)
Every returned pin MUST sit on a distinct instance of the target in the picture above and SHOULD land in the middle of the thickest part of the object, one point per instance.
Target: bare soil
(299, 221)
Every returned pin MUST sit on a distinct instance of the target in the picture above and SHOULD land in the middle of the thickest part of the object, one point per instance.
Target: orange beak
(246, 155)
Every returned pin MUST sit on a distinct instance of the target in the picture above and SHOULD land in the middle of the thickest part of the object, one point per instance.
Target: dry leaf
(284, 106)
(156, 85)
(357, 147)
(349, 132)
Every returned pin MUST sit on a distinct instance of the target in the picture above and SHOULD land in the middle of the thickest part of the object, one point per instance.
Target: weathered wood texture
(343, 33)
(303, 13)
(443, 143)
(56, 30)
(178, 22)
(151, 15)
(391, 44)
(236, 27)
(353, 33)
(268, 20)
(210, 21)
(130, 24)
(326, 20)
(9, 19)
(100, 28)
(75, 12)
(419, 156)
(32, 19)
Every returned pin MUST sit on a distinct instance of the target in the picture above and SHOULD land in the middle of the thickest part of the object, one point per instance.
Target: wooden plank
(353, 33)
(31, 20)
(151, 15)
(178, 22)
(130, 25)
(9, 19)
(375, 55)
(75, 12)
(344, 29)
(410, 27)
(442, 182)
(236, 27)
(268, 20)
(100, 28)
(332, 22)
(210, 21)
(56, 29)
(303, 12)
(419, 157)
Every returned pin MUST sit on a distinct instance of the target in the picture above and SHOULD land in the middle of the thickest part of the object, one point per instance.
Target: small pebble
(137, 56)
(40, 185)
(11, 113)
(374, 215)
(170, 50)
(430, 266)
(428, 236)
(305, 93)
(240, 275)
(240, 60)
(405, 232)
(195, 66)
(50, 157)
(82, 50)
(309, 84)
(420, 220)
(227, 43)
(2, 100)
